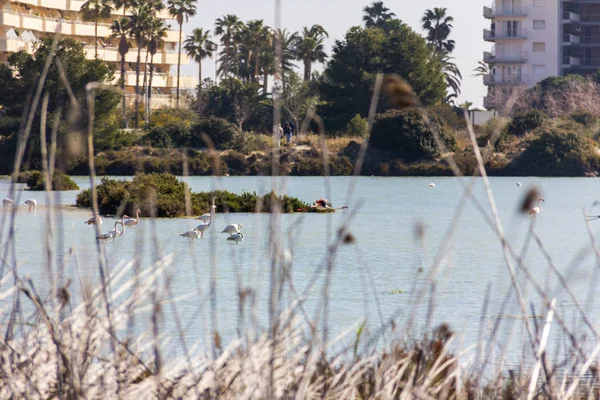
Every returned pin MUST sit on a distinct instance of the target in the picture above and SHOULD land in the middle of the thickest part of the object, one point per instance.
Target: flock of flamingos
(234, 230)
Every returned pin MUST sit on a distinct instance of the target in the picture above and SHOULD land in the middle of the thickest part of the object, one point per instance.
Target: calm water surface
(386, 250)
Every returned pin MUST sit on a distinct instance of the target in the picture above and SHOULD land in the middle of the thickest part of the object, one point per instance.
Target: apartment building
(23, 22)
(532, 40)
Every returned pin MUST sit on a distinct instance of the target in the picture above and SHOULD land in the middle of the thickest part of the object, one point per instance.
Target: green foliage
(35, 180)
(585, 118)
(162, 195)
(522, 123)
(451, 116)
(406, 134)
(236, 162)
(248, 142)
(218, 130)
(348, 81)
(564, 150)
(357, 126)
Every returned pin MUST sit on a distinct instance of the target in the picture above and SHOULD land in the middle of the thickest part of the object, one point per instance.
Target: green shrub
(35, 180)
(584, 118)
(522, 123)
(162, 195)
(248, 142)
(175, 133)
(220, 131)
(236, 162)
(406, 134)
(357, 126)
(561, 151)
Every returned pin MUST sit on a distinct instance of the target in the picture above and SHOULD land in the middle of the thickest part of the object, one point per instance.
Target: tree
(451, 73)
(438, 26)
(121, 30)
(296, 97)
(94, 10)
(125, 4)
(376, 15)
(483, 69)
(347, 85)
(156, 33)
(182, 10)
(199, 46)
(139, 23)
(227, 27)
(288, 44)
(310, 48)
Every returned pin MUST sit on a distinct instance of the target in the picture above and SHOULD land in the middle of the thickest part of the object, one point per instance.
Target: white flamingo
(193, 234)
(204, 227)
(31, 204)
(132, 221)
(95, 220)
(112, 234)
(236, 237)
(538, 209)
(232, 228)
(7, 202)
(122, 231)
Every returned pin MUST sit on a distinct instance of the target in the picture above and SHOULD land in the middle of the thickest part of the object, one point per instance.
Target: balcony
(75, 6)
(570, 17)
(507, 79)
(569, 39)
(499, 57)
(488, 35)
(111, 54)
(160, 80)
(509, 11)
(568, 62)
(488, 103)
(520, 34)
(590, 18)
(488, 12)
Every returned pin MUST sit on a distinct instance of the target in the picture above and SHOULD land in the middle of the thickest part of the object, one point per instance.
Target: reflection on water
(386, 251)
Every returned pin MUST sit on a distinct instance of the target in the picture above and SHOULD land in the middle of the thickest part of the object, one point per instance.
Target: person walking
(288, 132)
(279, 135)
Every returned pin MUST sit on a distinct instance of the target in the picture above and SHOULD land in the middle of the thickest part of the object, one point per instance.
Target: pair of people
(287, 130)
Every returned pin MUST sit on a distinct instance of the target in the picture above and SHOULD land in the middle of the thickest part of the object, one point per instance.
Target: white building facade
(536, 39)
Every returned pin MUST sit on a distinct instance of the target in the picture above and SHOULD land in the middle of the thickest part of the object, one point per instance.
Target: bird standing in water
(538, 209)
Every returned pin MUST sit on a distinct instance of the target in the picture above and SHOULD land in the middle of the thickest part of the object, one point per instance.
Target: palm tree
(451, 73)
(199, 46)
(483, 69)
(120, 30)
(259, 37)
(139, 21)
(376, 15)
(227, 27)
(94, 10)
(438, 26)
(310, 48)
(182, 10)
(156, 33)
(125, 4)
(288, 44)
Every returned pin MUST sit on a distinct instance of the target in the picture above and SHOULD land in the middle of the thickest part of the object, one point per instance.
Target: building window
(539, 47)
(539, 70)
(539, 3)
(539, 25)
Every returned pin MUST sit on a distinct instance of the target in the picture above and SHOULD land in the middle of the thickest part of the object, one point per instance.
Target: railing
(570, 61)
(488, 57)
(509, 11)
(488, 35)
(514, 34)
(590, 62)
(570, 39)
(507, 79)
(487, 12)
(595, 40)
(510, 56)
(590, 18)
(570, 16)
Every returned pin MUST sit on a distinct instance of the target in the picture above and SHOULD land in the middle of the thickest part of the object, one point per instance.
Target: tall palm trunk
(137, 83)
(226, 69)
(150, 83)
(307, 69)
(265, 81)
(146, 87)
(124, 100)
(96, 38)
(256, 67)
(179, 61)
(199, 79)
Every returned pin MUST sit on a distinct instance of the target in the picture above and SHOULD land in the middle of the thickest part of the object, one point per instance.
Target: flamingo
(132, 221)
(95, 220)
(232, 228)
(207, 217)
(121, 232)
(193, 234)
(432, 184)
(321, 205)
(7, 202)
(31, 204)
(203, 227)
(236, 237)
(536, 210)
(112, 234)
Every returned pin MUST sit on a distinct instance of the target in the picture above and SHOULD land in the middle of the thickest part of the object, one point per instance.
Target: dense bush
(357, 126)
(561, 151)
(35, 180)
(585, 118)
(175, 133)
(162, 195)
(236, 162)
(218, 130)
(406, 134)
(248, 142)
(525, 122)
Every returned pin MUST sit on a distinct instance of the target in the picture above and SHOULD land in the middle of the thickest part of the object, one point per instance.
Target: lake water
(386, 251)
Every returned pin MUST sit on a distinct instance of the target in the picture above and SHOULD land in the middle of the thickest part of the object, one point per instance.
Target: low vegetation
(163, 195)
(35, 180)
